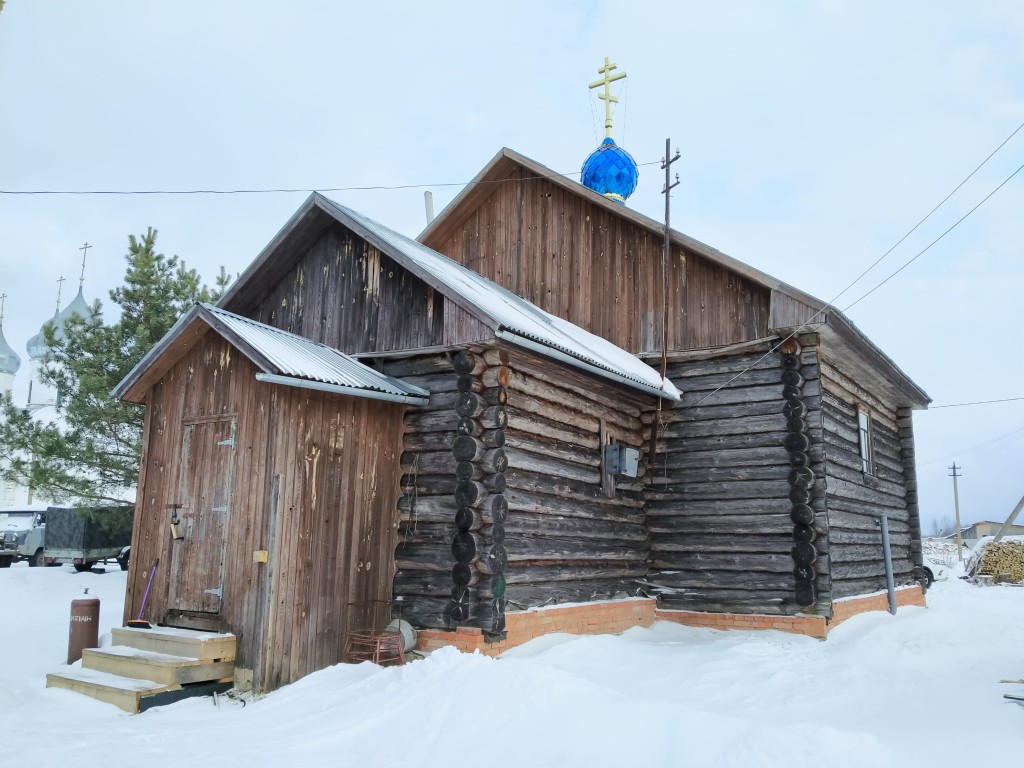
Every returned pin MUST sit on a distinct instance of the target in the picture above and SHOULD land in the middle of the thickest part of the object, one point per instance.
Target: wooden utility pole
(956, 505)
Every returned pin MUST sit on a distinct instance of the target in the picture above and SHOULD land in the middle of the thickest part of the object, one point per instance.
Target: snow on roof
(294, 356)
(283, 358)
(515, 318)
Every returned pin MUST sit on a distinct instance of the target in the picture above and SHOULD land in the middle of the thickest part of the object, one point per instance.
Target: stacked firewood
(1004, 561)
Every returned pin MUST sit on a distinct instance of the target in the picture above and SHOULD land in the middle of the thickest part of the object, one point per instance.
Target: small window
(607, 477)
(867, 449)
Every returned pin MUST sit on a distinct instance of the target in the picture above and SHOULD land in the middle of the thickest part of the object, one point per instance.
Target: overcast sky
(813, 136)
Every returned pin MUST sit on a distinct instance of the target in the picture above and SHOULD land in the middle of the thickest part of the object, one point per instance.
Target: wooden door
(203, 509)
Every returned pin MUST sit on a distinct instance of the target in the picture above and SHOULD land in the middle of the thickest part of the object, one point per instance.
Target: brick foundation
(849, 607)
(603, 618)
(814, 626)
(615, 616)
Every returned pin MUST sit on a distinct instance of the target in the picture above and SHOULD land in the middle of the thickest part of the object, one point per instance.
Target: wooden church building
(471, 432)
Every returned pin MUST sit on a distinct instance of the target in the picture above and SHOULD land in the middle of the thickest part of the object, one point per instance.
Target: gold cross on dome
(606, 81)
(85, 250)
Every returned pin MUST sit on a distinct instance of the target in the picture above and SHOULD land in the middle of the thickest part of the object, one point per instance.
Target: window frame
(866, 440)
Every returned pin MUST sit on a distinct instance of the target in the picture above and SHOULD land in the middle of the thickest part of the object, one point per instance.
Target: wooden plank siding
(315, 483)
(856, 499)
(346, 294)
(719, 496)
(582, 263)
(343, 292)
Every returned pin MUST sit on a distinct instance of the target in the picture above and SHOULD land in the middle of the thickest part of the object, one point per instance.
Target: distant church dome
(9, 360)
(36, 346)
(610, 171)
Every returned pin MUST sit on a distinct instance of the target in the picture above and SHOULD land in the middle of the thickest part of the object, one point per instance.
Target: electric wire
(928, 215)
(807, 324)
(986, 444)
(936, 240)
(259, 191)
(975, 402)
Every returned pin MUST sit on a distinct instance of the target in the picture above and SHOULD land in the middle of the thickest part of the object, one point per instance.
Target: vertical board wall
(315, 484)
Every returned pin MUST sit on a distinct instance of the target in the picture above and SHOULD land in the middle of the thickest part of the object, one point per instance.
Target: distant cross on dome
(3, 300)
(60, 287)
(608, 79)
(85, 251)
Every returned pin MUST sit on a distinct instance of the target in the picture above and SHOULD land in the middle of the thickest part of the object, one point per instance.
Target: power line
(933, 242)
(929, 214)
(978, 447)
(277, 190)
(811, 321)
(976, 402)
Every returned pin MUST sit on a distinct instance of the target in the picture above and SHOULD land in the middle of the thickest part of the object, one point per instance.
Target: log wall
(426, 507)
(315, 483)
(735, 499)
(504, 504)
(856, 499)
(574, 533)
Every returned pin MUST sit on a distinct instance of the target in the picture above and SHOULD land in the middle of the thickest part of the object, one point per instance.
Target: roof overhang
(193, 326)
(866, 363)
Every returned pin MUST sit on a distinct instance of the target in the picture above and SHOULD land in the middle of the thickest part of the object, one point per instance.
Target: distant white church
(40, 395)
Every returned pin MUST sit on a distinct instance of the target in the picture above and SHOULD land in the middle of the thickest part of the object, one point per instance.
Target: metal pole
(665, 251)
(956, 506)
(887, 552)
(428, 202)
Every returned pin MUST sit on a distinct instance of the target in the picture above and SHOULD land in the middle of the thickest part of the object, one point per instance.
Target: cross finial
(60, 287)
(85, 251)
(606, 81)
(3, 300)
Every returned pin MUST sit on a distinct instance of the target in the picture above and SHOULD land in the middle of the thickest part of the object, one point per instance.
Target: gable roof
(791, 308)
(512, 318)
(506, 160)
(282, 357)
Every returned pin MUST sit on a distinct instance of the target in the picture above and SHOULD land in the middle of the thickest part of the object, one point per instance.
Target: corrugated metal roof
(294, 356)
(516, 314)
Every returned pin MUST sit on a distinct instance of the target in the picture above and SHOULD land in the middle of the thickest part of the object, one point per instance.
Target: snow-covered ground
(916, 689)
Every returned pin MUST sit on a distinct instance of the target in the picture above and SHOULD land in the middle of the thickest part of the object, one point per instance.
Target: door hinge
(219, 509)
(230, 442)
(216, 592)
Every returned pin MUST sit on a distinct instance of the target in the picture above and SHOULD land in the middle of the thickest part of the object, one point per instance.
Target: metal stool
(379, 647)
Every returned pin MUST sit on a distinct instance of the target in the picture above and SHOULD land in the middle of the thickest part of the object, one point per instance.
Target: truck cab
(22, 536)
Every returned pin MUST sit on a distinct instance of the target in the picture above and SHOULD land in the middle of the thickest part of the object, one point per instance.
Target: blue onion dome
(610, 171)
(9, 360)
(36, 346)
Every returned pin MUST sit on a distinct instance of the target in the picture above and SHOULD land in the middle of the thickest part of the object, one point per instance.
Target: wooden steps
(151, 667)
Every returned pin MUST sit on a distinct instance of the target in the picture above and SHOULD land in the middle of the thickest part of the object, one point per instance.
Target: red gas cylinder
(85, 627)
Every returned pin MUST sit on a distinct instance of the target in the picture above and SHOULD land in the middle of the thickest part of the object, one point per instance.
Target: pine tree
(90, 451)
